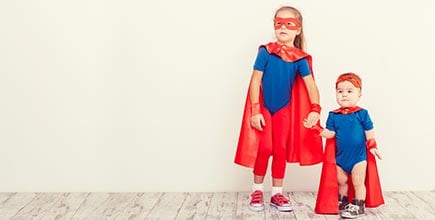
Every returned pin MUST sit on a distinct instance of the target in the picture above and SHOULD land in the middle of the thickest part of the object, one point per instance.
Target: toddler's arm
(371, 144)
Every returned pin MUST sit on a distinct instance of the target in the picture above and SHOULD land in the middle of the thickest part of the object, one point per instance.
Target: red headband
(352, 78)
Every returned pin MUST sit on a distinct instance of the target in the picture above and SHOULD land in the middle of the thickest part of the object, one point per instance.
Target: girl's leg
(264, 150)
(277, 182)
(258, 179)
(261, 162)
(280, 135)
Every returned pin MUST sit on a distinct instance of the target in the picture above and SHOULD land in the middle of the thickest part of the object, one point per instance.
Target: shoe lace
(257, 196)
(281, 198)
(352, 208)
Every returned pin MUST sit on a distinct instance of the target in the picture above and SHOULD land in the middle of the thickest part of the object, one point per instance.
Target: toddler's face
(347, 94)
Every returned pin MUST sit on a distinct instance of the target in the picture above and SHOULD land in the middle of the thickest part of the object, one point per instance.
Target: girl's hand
(311, 120)
(258, 122)
(376, 153)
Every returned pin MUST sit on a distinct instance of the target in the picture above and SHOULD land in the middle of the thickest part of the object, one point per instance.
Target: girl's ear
(299, 31)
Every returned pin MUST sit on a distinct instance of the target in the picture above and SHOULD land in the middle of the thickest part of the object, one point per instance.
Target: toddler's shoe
(342, 203)
(354, 209)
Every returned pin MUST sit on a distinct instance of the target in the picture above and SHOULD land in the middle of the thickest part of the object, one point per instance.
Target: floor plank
(222, 206)
(38, 207)
(375, 214)
(90, 204)
(427, 197)
(167, 207)
(393, 209)
(403, 205)
(195, 206)
(66, 206)
(303, 203)
(12, 203)
(140, 206)
(112, 207)
(419, 208)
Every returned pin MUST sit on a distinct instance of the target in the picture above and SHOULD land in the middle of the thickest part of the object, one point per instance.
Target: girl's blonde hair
(300, 39)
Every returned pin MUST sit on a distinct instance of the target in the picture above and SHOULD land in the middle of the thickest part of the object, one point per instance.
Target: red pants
(274, 138)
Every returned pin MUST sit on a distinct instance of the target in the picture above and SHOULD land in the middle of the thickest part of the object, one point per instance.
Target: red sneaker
(256, 204)
(281, 202)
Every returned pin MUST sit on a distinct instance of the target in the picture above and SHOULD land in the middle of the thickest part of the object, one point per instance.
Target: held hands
(311, 120)
(313, 116)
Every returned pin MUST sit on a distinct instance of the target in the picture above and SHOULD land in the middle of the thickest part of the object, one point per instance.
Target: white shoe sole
(282, 208)
(256, 208)
(349, 216)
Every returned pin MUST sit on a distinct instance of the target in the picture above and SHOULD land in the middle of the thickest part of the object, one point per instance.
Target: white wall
(109, 95)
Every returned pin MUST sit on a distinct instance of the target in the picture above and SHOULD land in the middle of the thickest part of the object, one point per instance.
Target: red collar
(347, 110)
(289, 54)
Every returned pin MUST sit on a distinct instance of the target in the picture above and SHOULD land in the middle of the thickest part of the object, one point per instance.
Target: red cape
(327, 196)
(305, 145)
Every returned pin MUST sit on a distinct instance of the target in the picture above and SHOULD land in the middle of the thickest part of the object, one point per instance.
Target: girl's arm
(257, 119)
(254, 87)
(313, 93)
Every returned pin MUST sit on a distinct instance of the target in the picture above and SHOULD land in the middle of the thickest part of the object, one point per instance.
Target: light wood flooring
(221, 205)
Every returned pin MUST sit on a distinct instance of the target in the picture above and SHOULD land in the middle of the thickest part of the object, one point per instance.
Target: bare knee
(359, 174)
(341, 176)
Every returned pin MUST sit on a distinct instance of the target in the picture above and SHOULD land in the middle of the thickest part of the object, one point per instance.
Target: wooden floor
(231, 205)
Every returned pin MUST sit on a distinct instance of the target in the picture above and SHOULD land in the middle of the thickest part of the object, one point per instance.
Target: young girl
(350, 155)
(282, 93)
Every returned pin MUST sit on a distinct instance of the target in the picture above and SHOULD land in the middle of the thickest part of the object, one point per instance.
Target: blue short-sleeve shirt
(350, 136)
(278, 78)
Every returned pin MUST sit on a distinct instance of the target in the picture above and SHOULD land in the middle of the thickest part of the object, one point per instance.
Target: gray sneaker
(354, 209)
(342, 203)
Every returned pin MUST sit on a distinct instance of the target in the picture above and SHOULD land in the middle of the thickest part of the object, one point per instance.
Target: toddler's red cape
(327, 196)
(305, 145)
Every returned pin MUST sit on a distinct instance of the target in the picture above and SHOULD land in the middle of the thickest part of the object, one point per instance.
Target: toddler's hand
(257, 121)
(376, 153)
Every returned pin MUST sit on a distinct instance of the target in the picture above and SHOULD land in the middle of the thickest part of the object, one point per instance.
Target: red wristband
(316, 108)
(255, 108)
(317, 128)
(371, 143)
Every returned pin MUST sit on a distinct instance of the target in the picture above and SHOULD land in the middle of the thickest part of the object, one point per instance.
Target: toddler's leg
(358, 179)
(342, 189)
(342, 181)
(356, 208)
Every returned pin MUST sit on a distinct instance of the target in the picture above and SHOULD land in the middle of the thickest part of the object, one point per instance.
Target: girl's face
(347, 94)
(283, 34)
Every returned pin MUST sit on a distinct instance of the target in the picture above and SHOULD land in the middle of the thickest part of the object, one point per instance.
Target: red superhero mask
(289, 23)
